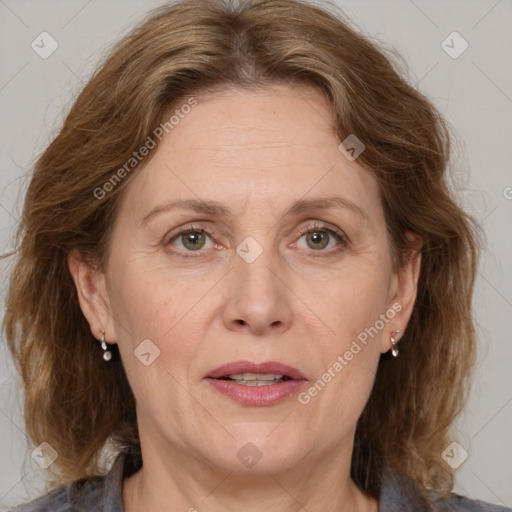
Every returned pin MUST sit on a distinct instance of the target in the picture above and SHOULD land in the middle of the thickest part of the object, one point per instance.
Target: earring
(107, 355)
(393, 340)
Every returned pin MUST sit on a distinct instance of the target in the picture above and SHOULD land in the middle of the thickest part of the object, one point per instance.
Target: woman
(253, 284)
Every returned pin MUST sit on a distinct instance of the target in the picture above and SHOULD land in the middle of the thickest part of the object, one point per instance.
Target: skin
(299, 303)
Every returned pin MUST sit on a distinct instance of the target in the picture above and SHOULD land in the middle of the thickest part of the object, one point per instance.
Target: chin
(258, 448)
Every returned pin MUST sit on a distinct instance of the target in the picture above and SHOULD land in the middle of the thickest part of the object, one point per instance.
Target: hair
(77, 403)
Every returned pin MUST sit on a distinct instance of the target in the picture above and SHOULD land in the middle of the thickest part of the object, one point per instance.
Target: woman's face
(278, 254)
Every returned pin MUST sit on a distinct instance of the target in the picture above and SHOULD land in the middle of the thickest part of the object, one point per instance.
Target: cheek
(165, 311)
(147, 308)
(352, 305)
(144, 304)
(348, 365)
(352, 299)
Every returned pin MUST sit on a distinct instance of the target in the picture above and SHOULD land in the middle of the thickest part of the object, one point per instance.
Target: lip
(257, 395)
(250, 367)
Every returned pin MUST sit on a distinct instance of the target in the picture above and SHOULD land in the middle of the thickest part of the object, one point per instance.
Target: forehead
(254, 147)
(241, 126)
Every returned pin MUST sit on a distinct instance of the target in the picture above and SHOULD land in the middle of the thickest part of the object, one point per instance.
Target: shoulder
(54, 501)
(81, 496)
(94, 494)
(399, 494)
(457, 503)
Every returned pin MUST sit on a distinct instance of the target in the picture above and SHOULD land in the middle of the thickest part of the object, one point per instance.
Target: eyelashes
(194, 245)
(333, 234)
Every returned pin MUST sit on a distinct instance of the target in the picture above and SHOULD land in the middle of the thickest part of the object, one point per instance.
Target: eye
(191, 238)
(319, 236)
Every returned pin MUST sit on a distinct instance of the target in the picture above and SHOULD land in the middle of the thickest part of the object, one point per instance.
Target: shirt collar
(128, 462)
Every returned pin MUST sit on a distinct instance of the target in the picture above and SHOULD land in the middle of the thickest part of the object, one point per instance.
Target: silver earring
(394, 350)
(107, 355)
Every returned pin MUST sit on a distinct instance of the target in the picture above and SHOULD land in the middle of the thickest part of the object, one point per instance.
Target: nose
(258, 298)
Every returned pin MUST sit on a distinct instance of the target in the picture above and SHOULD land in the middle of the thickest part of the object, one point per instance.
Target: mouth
(256, 374)
(256, 383)
(256, 379)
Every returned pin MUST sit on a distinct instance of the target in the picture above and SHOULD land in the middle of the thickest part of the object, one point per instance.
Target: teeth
(255, 376)
(256, 379)
(257, 382)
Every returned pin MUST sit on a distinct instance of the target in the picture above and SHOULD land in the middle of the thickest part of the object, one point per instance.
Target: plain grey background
(472, 90)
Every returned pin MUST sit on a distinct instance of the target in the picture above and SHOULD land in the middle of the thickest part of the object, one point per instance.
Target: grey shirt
(105, 494)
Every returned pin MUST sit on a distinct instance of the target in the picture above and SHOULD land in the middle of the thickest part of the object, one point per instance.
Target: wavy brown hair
(73, 400)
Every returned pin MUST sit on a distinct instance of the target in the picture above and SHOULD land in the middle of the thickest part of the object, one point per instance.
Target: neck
(320, 483)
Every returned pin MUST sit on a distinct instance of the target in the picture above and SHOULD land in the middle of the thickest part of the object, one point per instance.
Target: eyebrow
(216, 209)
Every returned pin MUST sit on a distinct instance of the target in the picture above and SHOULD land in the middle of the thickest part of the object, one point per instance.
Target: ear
(92, 294)
(404, 291)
